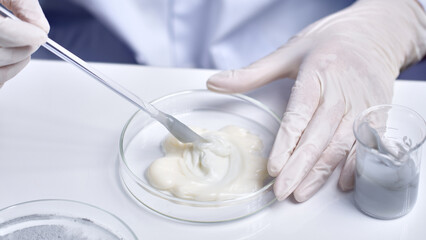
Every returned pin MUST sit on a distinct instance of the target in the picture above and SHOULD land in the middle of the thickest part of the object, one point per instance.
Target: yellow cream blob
(229, 165)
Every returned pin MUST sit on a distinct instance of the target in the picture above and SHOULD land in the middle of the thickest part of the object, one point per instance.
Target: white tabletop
(59, 133)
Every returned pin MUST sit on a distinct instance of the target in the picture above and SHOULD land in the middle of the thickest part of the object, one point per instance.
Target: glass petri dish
(140, 145)
(61, 219)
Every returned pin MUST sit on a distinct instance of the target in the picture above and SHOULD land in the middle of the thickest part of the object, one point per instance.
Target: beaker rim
(390, 106)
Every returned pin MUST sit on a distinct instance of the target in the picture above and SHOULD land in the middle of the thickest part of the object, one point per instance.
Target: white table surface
(59, 133)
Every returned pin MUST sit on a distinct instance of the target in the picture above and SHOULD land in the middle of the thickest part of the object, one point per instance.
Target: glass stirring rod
(182, 132)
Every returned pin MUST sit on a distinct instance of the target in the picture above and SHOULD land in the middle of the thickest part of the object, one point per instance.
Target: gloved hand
(19, 39)
(343, 64)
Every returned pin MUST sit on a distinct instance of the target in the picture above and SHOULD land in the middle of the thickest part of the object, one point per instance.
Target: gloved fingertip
(282, 190)
(281, 197)
(44, 25)
(32, 13)
(276, 164)
(38, 20)
(273, 170)
(9, 71)
(346, 184)
(220, 78)
(346, 180)
(300, 197)
(306, 189)
(220, 81)
(347, 176)
(214, 88)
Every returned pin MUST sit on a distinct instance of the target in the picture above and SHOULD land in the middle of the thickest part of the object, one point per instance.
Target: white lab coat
(223, 34)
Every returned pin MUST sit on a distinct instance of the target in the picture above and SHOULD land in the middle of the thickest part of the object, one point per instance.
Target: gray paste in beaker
(386, 187)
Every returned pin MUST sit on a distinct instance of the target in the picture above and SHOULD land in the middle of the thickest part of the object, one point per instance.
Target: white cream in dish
(229, 165)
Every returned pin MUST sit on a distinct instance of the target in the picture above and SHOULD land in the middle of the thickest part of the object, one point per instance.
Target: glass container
(140, 145)
(388, 156)
(61, 219)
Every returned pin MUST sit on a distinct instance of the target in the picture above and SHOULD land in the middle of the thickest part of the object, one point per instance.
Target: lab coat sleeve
(423, 3)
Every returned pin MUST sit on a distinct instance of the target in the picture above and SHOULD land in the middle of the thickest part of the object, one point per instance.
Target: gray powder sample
(68, 229)
(43, 232)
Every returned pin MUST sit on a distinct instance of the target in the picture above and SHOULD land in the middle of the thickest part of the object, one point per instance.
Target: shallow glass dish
(140, 145)
(61, 219)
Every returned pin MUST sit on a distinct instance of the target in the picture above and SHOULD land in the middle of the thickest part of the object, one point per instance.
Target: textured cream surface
(229, 165)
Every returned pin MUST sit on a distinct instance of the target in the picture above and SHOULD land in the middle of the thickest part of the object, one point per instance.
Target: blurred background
(80, 32)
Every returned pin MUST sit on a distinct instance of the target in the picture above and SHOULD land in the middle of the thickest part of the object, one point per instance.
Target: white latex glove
(343, 64)
(19, 39)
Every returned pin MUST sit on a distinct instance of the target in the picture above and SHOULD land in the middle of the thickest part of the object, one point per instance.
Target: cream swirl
(229, 165)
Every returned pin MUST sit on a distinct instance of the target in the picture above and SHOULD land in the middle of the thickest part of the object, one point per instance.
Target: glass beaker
(388, 155)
